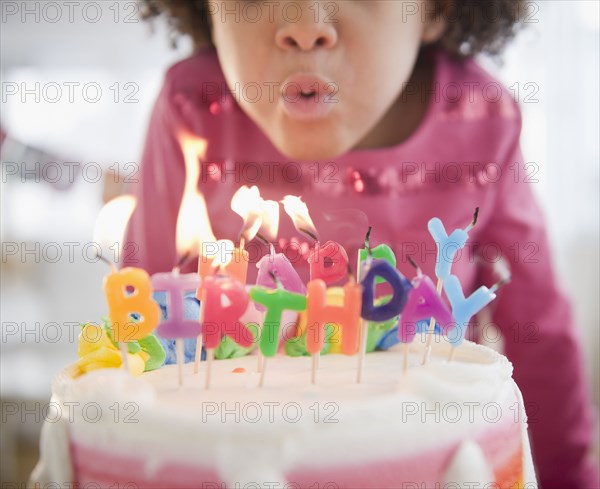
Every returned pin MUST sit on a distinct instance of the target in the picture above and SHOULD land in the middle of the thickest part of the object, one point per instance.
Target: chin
(311, 149)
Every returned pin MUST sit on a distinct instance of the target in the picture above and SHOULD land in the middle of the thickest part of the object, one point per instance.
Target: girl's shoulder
(198, 77)
(466, 91)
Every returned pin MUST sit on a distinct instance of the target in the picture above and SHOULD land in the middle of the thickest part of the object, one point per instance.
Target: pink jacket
(464, 154)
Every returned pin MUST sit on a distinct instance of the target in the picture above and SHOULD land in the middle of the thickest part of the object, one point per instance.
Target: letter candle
(319, 313)
(400, 291)
(275, 301)
(275, 268)
(132, 312)
(176, 326)
(464, 309)
(328, 262)
(224, 301)
(189, 232)
(365, 260)
(444, 260)
(423, 302)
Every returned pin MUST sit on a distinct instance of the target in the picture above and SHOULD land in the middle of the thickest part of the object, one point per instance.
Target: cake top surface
(476, 374)
(388, 414)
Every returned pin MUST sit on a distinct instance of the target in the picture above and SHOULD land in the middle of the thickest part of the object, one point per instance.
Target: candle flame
(224, 255)
(298, 212)
(111, 223)
(193, 223)
(247, 203)
(270, 220)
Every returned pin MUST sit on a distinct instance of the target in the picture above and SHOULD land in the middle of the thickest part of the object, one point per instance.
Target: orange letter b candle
(133, 314)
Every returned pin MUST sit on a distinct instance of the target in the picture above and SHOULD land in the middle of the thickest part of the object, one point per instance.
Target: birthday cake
(445, 424)
(286, 395)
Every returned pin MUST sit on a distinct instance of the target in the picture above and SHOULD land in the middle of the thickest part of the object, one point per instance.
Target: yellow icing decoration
(95, 351)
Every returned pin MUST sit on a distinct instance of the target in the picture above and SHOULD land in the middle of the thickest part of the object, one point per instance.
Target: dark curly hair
(473, 26)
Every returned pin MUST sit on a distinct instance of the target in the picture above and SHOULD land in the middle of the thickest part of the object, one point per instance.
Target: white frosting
(468, 467)
(529, 475)
(298, 424)
(108, 386)
(54, 466)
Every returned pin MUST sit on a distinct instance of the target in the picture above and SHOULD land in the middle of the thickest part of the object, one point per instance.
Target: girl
(376, 114)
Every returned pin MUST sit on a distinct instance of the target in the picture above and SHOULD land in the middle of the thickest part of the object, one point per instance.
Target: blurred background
(78, 83)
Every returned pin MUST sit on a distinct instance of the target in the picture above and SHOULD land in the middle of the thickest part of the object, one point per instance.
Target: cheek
(244, 57)
(384, 60)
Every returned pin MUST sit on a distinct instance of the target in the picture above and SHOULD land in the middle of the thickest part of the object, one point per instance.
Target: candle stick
(179, 356)
(405, 344)
(124, 353)
(445, 259)
(210, 356)
(363, 265)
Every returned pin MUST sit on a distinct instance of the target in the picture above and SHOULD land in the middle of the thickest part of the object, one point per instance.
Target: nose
(306, 28)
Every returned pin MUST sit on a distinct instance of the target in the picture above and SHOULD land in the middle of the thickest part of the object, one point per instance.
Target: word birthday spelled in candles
(336, 311)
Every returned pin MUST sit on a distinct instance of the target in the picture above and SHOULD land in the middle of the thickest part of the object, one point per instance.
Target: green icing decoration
(153, 347)
(228, 348)
(132, 346)
(149, 344)
(296, 347)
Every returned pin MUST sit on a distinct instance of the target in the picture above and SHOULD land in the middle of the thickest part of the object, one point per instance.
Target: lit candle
(175, 326)
(328, 262)
(275, 301)
(224, 301)
(279, 266)
(254, 211)
(224, 256)
(131, 311)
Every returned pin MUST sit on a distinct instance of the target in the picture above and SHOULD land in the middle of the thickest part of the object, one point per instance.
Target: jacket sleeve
(158, 187)
(541, 337)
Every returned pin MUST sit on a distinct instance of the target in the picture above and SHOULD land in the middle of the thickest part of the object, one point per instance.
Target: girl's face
(319, 76)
